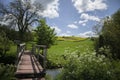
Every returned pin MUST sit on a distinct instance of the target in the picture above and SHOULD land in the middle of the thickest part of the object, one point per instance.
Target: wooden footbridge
(31, 65)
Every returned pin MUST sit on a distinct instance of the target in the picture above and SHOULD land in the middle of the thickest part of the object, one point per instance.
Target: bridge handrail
(20, 51)
(39, 55)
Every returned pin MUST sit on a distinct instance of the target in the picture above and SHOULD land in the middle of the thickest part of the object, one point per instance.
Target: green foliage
(28, 36)
(6, 48)
(4, 44)
(88, 66)
(10, 33)
(45, 35)
(7, 72)
(110, 35)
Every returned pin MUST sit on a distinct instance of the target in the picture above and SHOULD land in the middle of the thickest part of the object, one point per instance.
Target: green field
(56, 52)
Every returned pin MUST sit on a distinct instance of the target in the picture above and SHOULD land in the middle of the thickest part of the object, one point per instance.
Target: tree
(45, 35)
(110, 34)
(21, 13)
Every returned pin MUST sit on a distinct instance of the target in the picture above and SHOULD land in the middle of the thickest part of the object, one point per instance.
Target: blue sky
(75, 17)
(70, 22)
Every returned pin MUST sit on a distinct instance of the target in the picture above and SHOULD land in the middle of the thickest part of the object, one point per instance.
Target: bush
(88, 66)
(7, 72)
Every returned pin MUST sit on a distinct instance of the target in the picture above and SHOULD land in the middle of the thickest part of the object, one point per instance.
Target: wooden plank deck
(29, 67)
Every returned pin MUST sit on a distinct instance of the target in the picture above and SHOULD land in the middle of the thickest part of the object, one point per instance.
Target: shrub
(88, 66)
(7, 72)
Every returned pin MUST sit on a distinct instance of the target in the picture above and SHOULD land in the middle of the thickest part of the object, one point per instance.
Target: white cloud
(50, 8)
(87, 17)
(57, 30)
(47, 8)
(65, 34)
(87, 34)
(89, 5)
(83, 22)
(68, 32)
(73, 26)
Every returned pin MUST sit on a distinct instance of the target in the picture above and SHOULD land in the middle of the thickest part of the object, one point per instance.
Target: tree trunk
(21, 36)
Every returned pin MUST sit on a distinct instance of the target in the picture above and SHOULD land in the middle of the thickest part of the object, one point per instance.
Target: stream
(53, 72)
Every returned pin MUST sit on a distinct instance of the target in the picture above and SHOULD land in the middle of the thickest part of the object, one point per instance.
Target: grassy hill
(70, 38)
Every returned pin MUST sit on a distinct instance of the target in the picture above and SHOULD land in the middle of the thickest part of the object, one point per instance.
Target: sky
(76, 17)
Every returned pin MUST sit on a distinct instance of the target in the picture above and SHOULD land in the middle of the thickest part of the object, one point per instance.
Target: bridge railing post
(20, 51)
(45, 57)
(40, 56)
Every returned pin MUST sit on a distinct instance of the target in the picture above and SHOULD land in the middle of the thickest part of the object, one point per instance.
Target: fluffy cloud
(89, 5)
(87, 34)
(49, 8)
(84, 6)
(87, 17)
(73, 26)
(57, 30)
(83, 22)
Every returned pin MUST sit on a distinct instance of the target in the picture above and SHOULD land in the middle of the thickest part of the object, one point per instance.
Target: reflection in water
(53, 72)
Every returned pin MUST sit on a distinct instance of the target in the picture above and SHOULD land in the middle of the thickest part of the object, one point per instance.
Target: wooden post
(45, 59)
(43, 56)
(18, 49)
